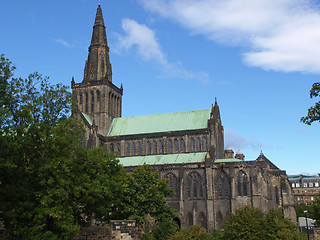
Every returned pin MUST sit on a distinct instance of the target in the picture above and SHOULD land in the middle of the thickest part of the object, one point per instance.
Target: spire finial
(215, 100)
(99, 2)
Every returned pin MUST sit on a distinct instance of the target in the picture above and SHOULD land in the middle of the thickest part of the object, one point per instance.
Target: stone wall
(94, 233)
(117, 230)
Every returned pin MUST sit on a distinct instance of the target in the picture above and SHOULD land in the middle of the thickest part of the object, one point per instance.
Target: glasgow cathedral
(187, 148)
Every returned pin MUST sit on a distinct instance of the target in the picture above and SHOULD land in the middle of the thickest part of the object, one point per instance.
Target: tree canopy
(50, 185)
(313, 112)
(251, 223)
(143, 193)
(313, 210)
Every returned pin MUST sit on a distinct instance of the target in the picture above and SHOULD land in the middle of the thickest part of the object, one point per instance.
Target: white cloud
(144, 39)
(62, 42)
(237, 142)
(281, 35)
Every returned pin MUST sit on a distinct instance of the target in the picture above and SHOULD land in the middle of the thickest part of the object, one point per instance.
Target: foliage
(313, 112)
(301, 207)
(192, 232)
(164, 229)
(313, 210)
(245, 223)
(251, 223)
(50, 186)
(279, 227)
(316, 210)
(161, 231)
(143, 193)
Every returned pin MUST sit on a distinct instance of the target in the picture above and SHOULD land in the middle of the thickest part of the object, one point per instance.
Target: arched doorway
(177, 221)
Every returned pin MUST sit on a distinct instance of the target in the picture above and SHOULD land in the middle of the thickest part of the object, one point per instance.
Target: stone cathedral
(187, 148)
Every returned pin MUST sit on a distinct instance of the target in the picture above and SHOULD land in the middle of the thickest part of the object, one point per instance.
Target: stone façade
(187, 148)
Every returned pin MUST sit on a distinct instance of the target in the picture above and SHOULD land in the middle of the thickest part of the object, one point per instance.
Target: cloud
(280, 35)
(63, 42)
(237, 142)
(143, 39)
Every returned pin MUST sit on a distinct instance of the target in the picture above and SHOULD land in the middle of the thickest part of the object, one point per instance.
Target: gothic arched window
(149, 147)
(154, 147)
(128, 149)
(176, 145)
(98, 96)
(223, 186)
(242, 184)
(92, 102)
(133, 148)
(195, 186)
(205, 144)
(173, 184)
(170, 146)
(198, 144)
(192, 145)
(161, 146)
(119, 149)
(139, 148)
(87, 102)
(111, 147)
(182, 145)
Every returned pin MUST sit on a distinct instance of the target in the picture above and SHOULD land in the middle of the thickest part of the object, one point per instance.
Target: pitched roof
(226, 160)
(180, 158)
(167, 122)
(87, 117)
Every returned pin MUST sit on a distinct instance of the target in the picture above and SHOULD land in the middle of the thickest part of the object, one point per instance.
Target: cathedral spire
(215, 112)
(98, 65)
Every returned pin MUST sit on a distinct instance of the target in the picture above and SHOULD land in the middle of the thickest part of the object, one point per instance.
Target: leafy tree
(50, 186)
(162, 231)
(279, 227)
(251, 223)
(192, 232)
(313, 112)
(143, 193)
(245, 223)
(315, 210)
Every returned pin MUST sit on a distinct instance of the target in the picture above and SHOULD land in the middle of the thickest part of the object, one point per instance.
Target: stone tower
(98, 99)
(216, 133)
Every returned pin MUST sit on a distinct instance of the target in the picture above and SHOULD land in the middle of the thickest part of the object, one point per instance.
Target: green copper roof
(224, 160)
(87, 117)
(163, 159)
(160, 123)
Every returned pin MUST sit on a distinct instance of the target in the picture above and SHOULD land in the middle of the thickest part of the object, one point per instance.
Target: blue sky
(258, 57)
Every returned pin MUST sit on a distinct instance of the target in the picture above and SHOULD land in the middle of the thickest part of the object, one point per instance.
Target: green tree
(279, 227)
(50, 185)
(313, 112)
(192, 232)
(315, 210)
(250, 223)
(143, 193)
(162, 231)
(245, 223)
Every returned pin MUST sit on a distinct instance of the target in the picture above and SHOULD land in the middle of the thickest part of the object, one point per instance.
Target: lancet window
(242, 184)
(173, 184)
(170, 146)
(223, 186)
(195, 186)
